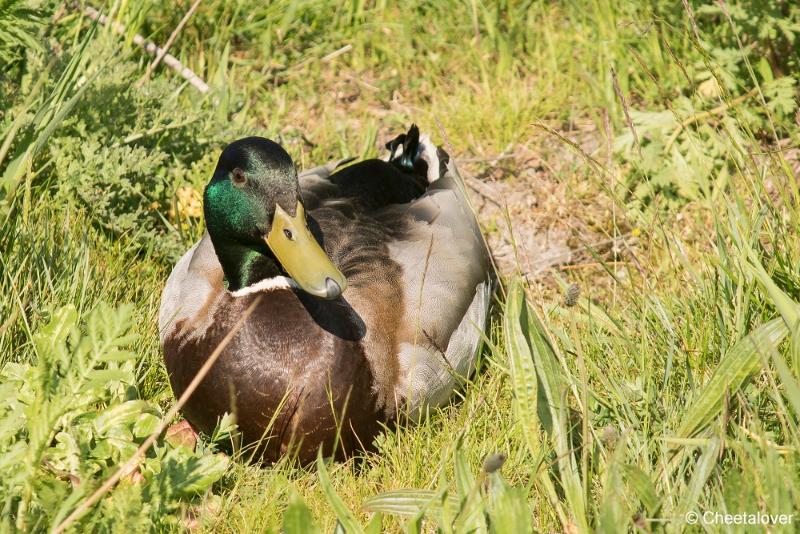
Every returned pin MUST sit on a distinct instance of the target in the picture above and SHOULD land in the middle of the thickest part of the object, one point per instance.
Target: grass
(661, 140)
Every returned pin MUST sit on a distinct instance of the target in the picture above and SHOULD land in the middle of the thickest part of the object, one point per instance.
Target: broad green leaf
(297, 518)
(117, 355)
(375, 525)
(521, 367)
(465, 480)
(225, 427)
(145, 425)
(530, 403)
(613, 509)
(414, 525)
(765, 70)
(740, 362)
(122, 414)
(551, 399)
(471, 512)
(104, 376)
(199, 473)
(409, 502)
(508, 507)
(52, 337)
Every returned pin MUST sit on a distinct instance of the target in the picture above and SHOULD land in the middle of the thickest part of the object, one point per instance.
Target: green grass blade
(702, 471)
(791, 387)
(640, 485)
(788, 308)
(343, 514)
(553, 388)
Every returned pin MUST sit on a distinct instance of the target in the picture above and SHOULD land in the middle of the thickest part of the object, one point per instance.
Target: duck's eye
(238, 178)
(288, 233)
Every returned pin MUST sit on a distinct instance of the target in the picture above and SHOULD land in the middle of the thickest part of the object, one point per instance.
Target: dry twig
(152, 49)
(163, 51)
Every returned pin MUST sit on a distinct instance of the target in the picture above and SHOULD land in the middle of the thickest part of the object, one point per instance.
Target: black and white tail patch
(415, 153)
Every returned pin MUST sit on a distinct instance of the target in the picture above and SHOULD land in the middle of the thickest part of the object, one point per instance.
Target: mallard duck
(375, 286)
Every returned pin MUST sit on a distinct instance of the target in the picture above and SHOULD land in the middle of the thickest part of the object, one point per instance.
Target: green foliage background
(670, 386)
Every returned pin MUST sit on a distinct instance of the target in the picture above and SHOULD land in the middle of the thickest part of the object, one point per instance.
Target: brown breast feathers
(292, 374)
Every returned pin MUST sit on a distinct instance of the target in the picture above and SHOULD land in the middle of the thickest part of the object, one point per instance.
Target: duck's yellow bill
(301, 256)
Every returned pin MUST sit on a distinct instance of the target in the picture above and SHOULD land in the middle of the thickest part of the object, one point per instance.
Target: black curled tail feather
(410, 143)
(408, 154)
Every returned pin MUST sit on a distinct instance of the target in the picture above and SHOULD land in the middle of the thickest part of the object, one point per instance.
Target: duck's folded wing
(447, 290)
(442, 252)
(315, 184)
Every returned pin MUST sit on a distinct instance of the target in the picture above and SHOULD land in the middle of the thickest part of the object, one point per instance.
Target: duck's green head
(257, 221)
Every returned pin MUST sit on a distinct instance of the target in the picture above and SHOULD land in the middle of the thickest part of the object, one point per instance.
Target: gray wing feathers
(323, 171)
(196, 278)
(315, 185)
(443, 256)
(447, 293)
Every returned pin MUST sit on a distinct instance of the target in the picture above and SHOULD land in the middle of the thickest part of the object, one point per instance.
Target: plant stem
(697, 117)
(152, 49)
(163, 51)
